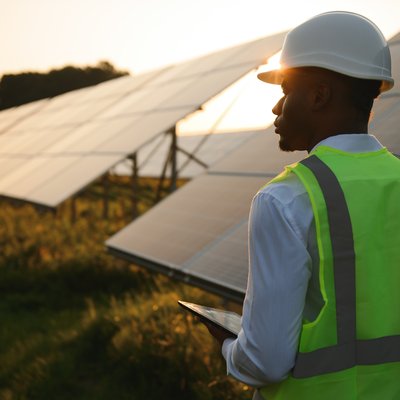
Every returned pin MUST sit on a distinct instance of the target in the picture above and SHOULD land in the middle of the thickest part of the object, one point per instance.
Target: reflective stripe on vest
(349, 351)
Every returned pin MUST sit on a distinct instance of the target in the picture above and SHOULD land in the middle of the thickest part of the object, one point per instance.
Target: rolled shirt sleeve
(279, 272)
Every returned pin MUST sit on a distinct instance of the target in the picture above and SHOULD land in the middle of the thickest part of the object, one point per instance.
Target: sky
(140, 35)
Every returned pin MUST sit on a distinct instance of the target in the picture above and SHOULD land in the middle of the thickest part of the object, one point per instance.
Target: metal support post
(174, 172)
(73, 210)
(162, 177)
(106, 197)
(134, 185)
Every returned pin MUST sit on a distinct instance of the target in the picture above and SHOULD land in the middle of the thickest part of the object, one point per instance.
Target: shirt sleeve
(279, 271)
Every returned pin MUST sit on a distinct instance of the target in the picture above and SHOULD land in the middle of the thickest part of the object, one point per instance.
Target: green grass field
(77, 323)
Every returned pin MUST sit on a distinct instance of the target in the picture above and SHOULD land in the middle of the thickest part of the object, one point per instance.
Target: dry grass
(76, 323)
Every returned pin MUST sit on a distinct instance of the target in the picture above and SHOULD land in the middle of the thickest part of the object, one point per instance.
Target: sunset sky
(138, 35)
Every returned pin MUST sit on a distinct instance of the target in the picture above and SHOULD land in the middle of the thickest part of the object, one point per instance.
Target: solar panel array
(74, 138)
(199, 234)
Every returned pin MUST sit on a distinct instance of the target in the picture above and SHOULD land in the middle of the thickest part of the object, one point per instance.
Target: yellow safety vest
(351, 351)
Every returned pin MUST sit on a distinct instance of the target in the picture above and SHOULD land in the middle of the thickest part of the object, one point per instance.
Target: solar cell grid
(7, 118)
(387, 129)
(395, 53)
(209, 85)
(194, 216)
(8, 142)
(196, 67)
(211, 147)
(36, 121)
(10, 164)
(88, 138)
(219, 145)
(224, 261)
(152, 150)
(147, 98)
(33, 173)
(210, 150)
(251, 52)
(76, 114)
(113, 87)
(64, 100)
(124, 84)
(68, 181)
(12, 118)
(383, 107)
(36, 142)
(143, 130)
(259, 156)
(394, 39)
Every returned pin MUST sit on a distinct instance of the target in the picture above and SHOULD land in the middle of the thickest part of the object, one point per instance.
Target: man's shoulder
(285, 191)
(284, 199)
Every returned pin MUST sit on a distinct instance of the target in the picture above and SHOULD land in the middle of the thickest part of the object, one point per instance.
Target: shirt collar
(352, 142)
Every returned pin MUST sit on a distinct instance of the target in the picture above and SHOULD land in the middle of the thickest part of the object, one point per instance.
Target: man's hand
(218, 333)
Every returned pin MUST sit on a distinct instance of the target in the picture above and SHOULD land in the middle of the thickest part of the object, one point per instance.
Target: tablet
(227, 320)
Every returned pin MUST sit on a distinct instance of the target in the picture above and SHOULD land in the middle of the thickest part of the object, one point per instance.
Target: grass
(77, 323)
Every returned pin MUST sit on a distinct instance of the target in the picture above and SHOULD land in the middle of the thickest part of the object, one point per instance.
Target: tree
(18, 89)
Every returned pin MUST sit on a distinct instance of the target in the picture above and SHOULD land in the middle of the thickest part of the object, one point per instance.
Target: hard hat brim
(274, 76)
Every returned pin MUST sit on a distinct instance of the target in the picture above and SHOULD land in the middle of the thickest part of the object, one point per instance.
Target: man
(321, 317)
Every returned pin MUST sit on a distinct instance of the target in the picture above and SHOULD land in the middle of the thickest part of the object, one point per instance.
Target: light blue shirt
(283, 282)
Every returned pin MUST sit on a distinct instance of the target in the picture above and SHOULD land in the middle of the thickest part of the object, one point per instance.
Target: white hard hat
(340, 41)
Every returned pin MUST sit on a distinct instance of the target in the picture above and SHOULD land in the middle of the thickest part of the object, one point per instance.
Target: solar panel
(19, 183)
(33, 143)
(177, 231)
(212, 82)
(258, 156)
(10, 164)
(86, 138)
(143, 130)
(395, 53)
(386, 129)
(115, 119)
(385, 121)
(70, 180)
(10, 143)
(216, 263)
(13, 116)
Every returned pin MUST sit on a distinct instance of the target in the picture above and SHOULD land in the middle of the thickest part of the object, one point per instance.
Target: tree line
(22, 88)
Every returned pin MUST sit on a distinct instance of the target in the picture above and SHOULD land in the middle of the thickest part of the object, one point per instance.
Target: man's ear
(321, 96)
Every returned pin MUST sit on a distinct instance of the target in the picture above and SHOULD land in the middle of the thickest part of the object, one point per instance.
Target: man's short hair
(362, 93)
